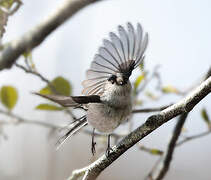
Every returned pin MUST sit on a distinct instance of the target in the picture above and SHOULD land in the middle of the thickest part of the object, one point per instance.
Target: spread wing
(121, 54)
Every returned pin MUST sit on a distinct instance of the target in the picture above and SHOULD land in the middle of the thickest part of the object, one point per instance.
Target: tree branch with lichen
(185, 105)
(156, 174)
(12, 50)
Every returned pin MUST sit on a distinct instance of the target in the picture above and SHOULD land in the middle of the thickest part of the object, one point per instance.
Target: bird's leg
(93, 142)
(108, 146)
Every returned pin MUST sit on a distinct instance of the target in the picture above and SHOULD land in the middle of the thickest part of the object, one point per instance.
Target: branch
(171, 147)
(34, 73)
(92, 171)
(193, 137)
(114, 135)
(147, 110)
(36, 35)
(146, 82)
(20, 120)
(156, 174)
(157, 167)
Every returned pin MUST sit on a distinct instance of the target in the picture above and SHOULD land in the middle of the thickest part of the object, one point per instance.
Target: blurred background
(180, 39)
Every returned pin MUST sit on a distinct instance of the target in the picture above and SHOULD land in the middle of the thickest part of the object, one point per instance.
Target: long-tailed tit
(107, 89)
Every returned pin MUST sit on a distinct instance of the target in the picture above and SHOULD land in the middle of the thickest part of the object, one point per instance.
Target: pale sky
(179, 33)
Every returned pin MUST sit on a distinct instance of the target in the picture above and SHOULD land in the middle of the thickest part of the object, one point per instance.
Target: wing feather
(90, 89)
(139, 35)
(125, 41)
(89, 82)
(131, 37)
(108, 55)
(142, 50)
(113, 50)
(118, 46)
(95, 66)
(121, 54)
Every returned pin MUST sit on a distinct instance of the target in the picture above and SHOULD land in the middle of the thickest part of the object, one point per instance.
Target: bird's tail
(71, 129)
(71, 101)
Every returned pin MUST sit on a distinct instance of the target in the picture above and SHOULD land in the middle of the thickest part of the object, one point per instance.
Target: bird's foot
(93, 142)
(108, 151)
(93, 148)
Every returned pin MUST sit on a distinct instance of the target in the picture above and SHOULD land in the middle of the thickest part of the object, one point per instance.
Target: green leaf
(139, 80)
(151, 150)
(46, 90)
(49, 107)
(60, 85)
(170, 89)
(156, 152)
(205, 117)
(6, 3)
(9, 96)
(27, 54)
(28, 59)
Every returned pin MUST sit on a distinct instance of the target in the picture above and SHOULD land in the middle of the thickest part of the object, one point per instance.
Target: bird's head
(125, 72)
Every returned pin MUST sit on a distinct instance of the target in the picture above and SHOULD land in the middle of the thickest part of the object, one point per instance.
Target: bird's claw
(108, 151)
(93, 148)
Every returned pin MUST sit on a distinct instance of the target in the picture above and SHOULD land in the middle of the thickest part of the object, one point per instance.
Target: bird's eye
(121, 82)
(112, 79)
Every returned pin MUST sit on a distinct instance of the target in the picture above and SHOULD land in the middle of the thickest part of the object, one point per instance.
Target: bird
(107, 90)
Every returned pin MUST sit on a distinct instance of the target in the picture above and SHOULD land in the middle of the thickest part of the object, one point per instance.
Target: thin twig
(190, 138)
(21, 120)
(147, 110)
(34, 73)
(114, 135)
(171, 147)
(208, 74)
(154, 169)
(146, 82)
(30, 71)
